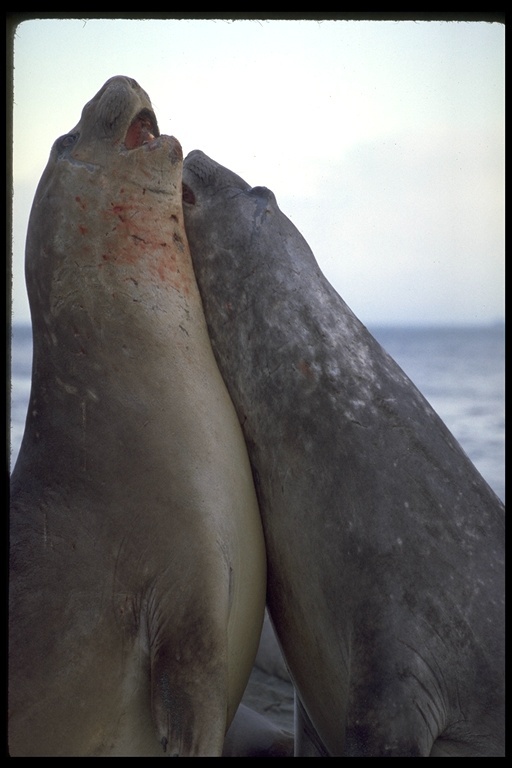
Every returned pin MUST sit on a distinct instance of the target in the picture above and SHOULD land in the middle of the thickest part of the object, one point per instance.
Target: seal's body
(385, 547)
(137, 570)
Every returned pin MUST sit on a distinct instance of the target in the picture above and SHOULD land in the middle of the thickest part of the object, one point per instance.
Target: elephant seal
(137, 561)
(385, 546)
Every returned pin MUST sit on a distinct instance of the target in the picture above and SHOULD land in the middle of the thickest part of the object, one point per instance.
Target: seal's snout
(142, 130)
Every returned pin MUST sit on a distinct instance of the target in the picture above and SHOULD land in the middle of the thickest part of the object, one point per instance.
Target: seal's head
(116, 132)
(119, 115)
(110, 186)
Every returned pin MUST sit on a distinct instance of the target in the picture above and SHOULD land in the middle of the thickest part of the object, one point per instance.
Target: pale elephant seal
(385, 546)
(137, 572)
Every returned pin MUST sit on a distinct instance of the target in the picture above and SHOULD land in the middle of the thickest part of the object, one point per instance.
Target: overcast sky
(382, 141)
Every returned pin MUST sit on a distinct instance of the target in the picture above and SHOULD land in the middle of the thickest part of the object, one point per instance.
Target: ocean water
(460, 370)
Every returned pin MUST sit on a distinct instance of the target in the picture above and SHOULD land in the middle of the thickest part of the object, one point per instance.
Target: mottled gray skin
(137, 562)
(385, 547)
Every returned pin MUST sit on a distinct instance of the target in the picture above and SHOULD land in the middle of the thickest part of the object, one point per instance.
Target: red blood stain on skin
(136, 240)
(118, 210)
(306, 370)
(229, 308)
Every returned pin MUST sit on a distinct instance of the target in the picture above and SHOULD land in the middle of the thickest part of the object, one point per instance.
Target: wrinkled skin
(137, 563)
(385, 547)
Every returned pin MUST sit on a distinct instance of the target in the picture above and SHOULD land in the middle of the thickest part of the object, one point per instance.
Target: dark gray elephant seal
(137, 563)
(385, 547)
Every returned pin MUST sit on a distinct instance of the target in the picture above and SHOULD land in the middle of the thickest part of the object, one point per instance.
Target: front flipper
(189, 691)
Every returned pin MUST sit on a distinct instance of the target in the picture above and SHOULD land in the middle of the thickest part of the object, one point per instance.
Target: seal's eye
(68, 140)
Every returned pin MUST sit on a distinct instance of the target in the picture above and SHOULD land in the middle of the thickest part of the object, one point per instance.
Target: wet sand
(270, 690)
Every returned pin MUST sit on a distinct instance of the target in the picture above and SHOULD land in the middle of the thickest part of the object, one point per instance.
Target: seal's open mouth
(187, 194)
(142, 130)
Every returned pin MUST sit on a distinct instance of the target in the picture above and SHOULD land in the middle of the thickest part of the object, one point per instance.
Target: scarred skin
(137, 563)
(385, 547)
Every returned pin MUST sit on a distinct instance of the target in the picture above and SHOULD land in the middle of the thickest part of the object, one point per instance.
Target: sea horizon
(459, 369)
